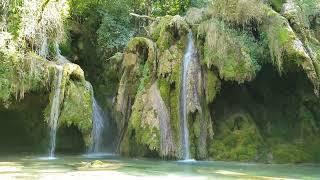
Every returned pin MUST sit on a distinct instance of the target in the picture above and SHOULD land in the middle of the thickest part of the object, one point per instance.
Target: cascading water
(55, 108)
(97, 130)
(189, 55)
(60, 59)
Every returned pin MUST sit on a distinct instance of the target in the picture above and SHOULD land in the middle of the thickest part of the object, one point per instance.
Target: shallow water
(72, 167)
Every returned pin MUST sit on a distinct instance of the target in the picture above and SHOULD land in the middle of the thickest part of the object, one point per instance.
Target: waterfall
(60, 59)
(188, 57)
(55, 108)
(98, 126)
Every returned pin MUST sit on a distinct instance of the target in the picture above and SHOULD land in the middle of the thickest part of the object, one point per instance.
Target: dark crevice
(23, 127)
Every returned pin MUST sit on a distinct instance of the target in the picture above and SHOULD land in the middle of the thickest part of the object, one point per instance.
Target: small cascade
(98, 127)
(60, 59)
(189, 55)
(44, 50)
(55, 110)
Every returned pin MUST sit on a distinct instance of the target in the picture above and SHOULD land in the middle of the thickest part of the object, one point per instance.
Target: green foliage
(82, 7)
(114, 33)
(14, 17)
(170, 7)
(107, 21)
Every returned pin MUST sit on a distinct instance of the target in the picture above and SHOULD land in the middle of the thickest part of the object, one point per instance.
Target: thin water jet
(55, 109)
(189, 55)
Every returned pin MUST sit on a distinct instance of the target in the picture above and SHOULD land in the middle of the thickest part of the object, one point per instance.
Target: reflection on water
(111, 166)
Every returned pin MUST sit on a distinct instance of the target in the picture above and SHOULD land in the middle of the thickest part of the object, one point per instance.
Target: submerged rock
(97, 165)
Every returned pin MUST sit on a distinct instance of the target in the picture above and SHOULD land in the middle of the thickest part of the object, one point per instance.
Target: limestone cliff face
(239, 44)
(149, 92)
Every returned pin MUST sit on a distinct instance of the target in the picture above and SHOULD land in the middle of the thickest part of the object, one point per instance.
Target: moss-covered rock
(20, 73)
(170, 59)
(154, 125)
(160, 62)
(238, 139)
(212, 86)
(235, 39)
(24, 72)
(144, 128)
(233, 54)
(77, 108)
(238, 12)
(287, 47)
(138, 58)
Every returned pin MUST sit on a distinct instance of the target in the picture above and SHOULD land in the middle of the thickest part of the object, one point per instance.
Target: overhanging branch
(143, 16)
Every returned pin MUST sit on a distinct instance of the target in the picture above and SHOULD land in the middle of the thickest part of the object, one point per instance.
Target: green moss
(277, 4)
(169, 85)
(142, 137)
(212, 86)
(6, 75)
(287, 51)
(289, 153)
(238, 12)
(195, 135)
(170, 93)
(169, 76)
(283, 36)
(136, 44)
(237, 139)
(159, 27)
(234, 54)
(22, 73)
(77, 109)
(145, 77)
(131, 147)
(167, 30)
(310, 8)
(110, 79)
(143, 133)
(14, 17)
(280, 39)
